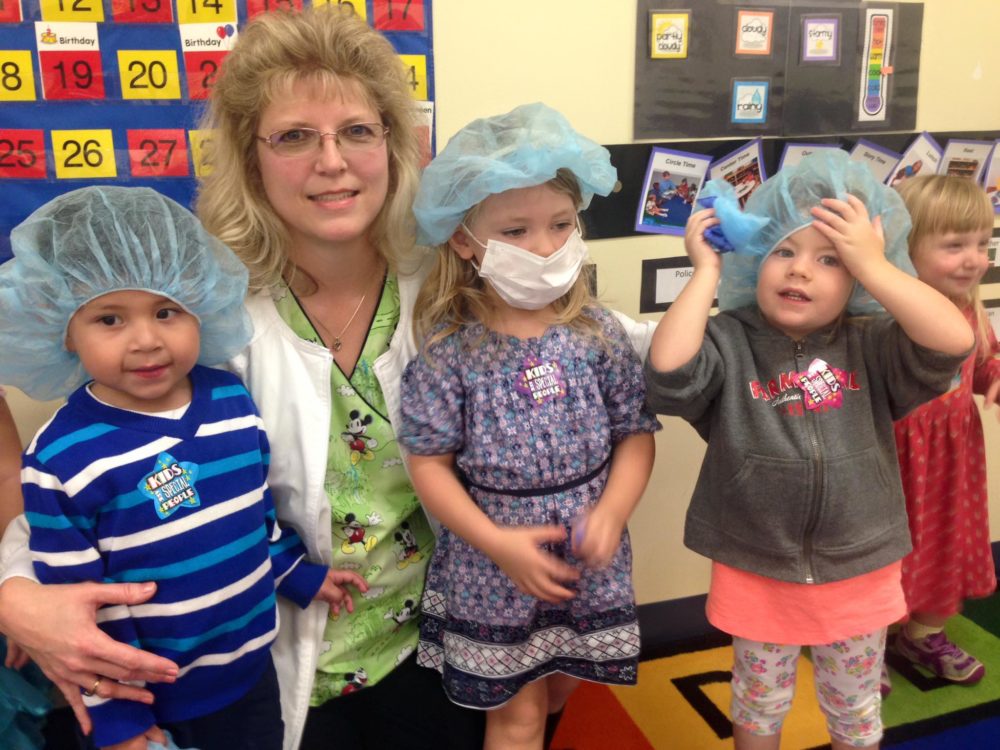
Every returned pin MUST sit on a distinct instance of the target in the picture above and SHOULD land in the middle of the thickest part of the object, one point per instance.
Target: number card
(204, 45)
(201, 151)
(70, 61)
(158, 153)
(10, 11)
(398, 15)
(668, 35)
(83, 154)
(416, 75)
(149, 74)
(72, 10)
(17, 78)
(206, 11)
(256, 7)
(22, 154)
(754, 31)
(142, 11)
(358, 6)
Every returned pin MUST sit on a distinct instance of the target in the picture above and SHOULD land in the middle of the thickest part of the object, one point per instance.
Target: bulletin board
(111, 91)
(717, 68)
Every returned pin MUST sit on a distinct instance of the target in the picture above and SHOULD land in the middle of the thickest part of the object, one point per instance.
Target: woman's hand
(56, 625)
(17, 657)
(333, 592)
(533, 570)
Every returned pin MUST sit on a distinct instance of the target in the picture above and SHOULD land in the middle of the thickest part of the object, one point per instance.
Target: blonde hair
(329, 48)
(942, 204)
(454, 295)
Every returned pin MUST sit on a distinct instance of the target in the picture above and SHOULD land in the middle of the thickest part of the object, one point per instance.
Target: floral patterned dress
(943, 464)
(531, 423)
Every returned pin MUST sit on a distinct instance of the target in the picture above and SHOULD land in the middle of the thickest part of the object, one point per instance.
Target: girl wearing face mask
(524, 422)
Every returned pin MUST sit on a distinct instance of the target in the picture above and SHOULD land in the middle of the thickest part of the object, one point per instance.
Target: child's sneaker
(941, 656)
(884, 683)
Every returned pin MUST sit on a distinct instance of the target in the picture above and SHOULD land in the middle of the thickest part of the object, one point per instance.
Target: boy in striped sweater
(155, 469)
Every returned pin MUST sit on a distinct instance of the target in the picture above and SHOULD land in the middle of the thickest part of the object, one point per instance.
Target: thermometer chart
(875, 68)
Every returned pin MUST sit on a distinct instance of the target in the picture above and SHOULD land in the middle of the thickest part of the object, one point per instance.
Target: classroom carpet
(681, 701)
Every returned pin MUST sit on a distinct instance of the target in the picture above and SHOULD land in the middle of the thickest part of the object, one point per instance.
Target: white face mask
(528, 281)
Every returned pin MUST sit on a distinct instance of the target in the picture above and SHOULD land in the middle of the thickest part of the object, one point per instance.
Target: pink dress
(943, 465)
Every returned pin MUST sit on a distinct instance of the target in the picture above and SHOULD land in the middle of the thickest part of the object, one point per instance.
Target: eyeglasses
(359, 136)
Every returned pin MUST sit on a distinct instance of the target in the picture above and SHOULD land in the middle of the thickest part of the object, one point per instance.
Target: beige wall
(578, 56)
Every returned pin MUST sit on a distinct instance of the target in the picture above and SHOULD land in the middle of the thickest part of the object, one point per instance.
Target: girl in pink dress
(940, 444)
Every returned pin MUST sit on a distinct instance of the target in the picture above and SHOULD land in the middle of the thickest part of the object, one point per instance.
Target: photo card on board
(672, 182)
(742, 168)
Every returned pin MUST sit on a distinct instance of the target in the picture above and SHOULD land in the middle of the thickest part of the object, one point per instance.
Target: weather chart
(111, 91)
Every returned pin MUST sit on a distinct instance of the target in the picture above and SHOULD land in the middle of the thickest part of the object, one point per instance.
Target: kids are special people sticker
(541, 381)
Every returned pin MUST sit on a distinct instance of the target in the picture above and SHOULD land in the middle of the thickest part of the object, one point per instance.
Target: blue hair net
(521, 148)
(786, 199)
(735, 228)
(96, 240)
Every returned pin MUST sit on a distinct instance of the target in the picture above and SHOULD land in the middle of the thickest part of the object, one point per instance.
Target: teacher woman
(315, 164)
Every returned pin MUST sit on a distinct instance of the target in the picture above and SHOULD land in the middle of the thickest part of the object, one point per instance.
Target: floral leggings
(847, 686)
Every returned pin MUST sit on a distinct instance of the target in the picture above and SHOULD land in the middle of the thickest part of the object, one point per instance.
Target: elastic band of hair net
(786, 199)
(97, 240)
(522, 148)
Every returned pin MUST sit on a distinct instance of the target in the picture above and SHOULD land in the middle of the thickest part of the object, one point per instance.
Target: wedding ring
(90, 693)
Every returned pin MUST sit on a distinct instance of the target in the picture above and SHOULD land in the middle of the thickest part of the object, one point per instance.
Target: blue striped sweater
(116, 496)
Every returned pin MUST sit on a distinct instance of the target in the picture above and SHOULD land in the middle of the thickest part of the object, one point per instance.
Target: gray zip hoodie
(800, 480)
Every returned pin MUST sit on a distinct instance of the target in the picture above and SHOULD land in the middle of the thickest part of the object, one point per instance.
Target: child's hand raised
(333, 592)
(535, 572)
(846, 224)
(699, 251)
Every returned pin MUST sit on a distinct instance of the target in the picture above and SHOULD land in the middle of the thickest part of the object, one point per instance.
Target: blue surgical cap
(521, 148)
(786, 200)
(97, 240)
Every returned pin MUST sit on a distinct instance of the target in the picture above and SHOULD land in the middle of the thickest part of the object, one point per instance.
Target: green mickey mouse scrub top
(379, 528)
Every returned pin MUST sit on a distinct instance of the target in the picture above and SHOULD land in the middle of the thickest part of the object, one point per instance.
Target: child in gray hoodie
(795, 385)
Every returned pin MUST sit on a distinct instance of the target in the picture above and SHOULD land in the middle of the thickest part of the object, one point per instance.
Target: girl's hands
(333, 593)
(597, 538)
(534, 571)
(140, 742)
(702, 254)
(846, 224)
